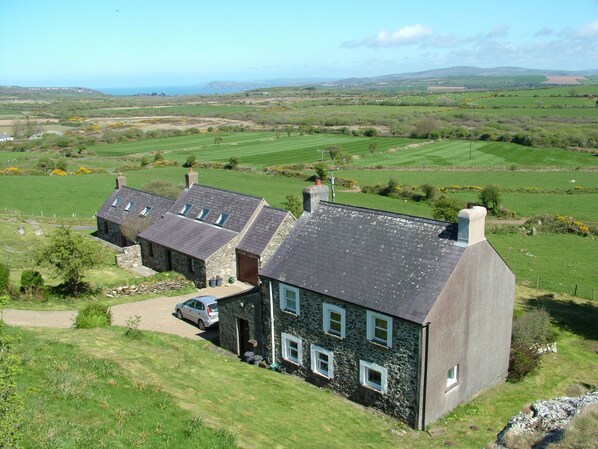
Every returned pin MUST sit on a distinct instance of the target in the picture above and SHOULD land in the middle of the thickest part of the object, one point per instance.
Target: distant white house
(5, 137)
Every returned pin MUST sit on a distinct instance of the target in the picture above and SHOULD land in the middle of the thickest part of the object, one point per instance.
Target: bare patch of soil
(564, 80)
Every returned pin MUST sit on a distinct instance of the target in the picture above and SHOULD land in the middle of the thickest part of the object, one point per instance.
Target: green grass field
(96, 384)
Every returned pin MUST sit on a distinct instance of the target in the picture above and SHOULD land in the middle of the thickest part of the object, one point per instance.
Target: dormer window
(185, 209)
(203, 213)
(129, 206)
(221, 220)
(145, 211)
(115, 202)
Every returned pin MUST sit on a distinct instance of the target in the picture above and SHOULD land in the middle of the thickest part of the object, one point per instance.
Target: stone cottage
(128, 207)
(408, 315)
(204, 233)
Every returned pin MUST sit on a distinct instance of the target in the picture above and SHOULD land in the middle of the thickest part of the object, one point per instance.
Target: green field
(86, 388)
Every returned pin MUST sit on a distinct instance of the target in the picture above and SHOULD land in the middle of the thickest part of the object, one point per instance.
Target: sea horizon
(165, 90)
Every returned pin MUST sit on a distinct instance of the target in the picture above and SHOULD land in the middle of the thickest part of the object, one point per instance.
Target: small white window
(145, 212)
(334, 320)
(185, 209)
(452, 377)
(322, 362)
(373, 376)
(291, 348)
(379, 328)
(129, 206)
(203, 213)
(289, 298)
(115, 202)
(221, 220)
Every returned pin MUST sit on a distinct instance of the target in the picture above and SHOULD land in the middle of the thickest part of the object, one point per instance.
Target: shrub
(430, 191)
(32, 282)
(531, 330)
(93, 315)
(158, 156)
(321, 170)
(293, 205)
(132, 327)
(11, 405)
(446, 209)
(190, 161)
(232, 163)
(4, 278)
(490, 197)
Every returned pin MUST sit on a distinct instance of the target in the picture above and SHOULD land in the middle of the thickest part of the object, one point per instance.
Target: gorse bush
(93, 315)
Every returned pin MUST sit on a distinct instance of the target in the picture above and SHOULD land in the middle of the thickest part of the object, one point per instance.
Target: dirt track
(156, 314)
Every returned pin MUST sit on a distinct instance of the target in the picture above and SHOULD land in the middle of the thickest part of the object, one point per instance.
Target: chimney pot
(318, 182)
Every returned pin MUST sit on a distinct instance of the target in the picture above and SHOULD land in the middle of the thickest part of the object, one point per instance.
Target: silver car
(202, 310)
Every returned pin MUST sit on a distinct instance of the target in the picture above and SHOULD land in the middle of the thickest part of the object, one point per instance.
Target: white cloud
(411, 34)
(589, 30)
(544, 32)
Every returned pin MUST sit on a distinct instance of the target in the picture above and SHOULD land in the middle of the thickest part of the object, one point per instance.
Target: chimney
(121, 181)
(190, 178)
(471, 226)
(312, 196)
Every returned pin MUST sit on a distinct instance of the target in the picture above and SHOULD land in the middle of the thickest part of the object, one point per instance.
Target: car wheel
(201, 325)
(179, 315)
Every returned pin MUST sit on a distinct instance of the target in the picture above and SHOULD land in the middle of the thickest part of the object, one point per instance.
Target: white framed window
(145, 212)
(203, 213)
(452, 377)
(322, 362)
(129, 205)
(379, 328)
(185, 209)
(116, 202)
(334, 320)
(289, 299)
(221, 220)
(373, 376)
(291, 348)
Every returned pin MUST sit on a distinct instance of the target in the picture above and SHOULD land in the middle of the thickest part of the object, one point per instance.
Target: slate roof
(117, 214)
(391, 263)
(239, 207)
(262, 230)
(188, 236)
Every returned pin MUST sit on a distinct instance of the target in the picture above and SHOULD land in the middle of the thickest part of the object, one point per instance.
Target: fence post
(538, 282)
(575, 291)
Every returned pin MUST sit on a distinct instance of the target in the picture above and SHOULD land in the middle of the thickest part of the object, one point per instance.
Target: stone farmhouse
(203, 234)
(407, 315)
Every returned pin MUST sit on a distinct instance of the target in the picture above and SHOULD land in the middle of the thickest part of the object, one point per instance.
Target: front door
(243, 334)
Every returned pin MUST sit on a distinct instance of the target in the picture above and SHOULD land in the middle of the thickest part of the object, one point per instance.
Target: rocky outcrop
(549, 417)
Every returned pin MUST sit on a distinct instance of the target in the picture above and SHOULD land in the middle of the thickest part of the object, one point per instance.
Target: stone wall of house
(223, 262)
(130, 257)
(109, 231)
(401, 361)
(283, 231)
(247, 307)
(179, 262)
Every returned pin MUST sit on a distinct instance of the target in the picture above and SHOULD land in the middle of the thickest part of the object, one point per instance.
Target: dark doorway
(243, 328)
(168, 260)
(247, 268)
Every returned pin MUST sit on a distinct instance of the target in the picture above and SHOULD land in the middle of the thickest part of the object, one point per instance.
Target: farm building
(5, 137)
(408, 315)
(204, 233)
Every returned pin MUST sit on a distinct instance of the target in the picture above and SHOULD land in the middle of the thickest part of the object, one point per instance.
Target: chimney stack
(471, 226)
(190, 178)
(121, 181)
(312, 196)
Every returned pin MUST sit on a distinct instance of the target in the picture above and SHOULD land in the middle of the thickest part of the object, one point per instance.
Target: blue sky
(180, 42)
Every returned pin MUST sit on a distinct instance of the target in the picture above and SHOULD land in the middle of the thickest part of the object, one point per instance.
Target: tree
(321, 170)
(190, 162)
(289, 131)
(333, 151)
(232, 163)
(373, 147)
(490, 197)
(430, 191)
(70, 256)
(293, 205)
(133, 226)
(426, 128)
(370, 132)
(446, 209)
(217, 140)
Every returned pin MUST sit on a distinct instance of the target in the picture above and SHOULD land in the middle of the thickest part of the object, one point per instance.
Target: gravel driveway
(156, 314)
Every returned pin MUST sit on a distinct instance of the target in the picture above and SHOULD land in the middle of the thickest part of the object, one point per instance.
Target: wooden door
(247, 268)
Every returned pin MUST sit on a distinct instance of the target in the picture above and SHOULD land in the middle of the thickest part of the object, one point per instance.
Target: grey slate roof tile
(239, 207)
(391, 263)
(262, 230)
(187, 236)
(117, 214)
